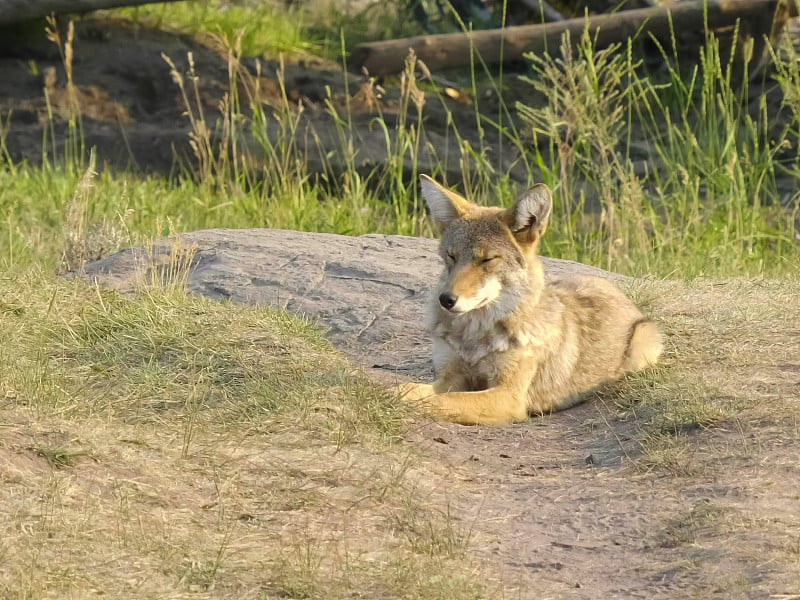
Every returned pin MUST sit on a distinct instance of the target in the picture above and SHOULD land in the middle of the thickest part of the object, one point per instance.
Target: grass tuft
(668, 175)
(211, 446)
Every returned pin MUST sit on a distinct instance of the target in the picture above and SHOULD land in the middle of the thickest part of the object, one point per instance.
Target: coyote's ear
(444, 205)
(528, 218)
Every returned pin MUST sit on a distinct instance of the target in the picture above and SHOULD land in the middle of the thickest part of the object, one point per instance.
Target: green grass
(271, 27)
(669, 175)
(678, 171)
(122, 210)
(164, 353)
(268, 27)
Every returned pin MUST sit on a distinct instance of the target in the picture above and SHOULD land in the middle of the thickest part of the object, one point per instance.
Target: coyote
(507, 342)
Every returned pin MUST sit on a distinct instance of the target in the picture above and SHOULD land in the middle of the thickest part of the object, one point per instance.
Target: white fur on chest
(473, 337)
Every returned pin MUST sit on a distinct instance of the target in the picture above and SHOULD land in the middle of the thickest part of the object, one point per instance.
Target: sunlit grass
(670, 174)
(269, 27)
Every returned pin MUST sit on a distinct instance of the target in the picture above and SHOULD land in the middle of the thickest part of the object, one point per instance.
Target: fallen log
(14, 11)
(451, 50)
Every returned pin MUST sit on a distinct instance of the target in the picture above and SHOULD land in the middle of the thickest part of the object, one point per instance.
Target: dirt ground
(131, 108)
(133, 113)
(593, 503)
(565, 516)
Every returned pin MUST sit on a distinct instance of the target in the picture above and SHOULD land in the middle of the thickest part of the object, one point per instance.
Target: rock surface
(367, 292)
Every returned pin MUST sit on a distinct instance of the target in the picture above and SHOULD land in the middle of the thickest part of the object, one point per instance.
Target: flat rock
(367, 292)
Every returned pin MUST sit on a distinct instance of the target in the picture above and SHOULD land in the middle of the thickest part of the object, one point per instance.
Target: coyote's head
(489, 253)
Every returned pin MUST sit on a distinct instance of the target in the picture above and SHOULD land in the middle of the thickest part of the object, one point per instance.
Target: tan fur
(513, 344)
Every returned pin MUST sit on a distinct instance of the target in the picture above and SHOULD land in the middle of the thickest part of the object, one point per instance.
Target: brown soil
(557, 510)
(133, 114)
(131, 108)
(582, 504)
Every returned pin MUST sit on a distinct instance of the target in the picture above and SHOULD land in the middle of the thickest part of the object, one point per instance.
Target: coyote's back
(506, 342)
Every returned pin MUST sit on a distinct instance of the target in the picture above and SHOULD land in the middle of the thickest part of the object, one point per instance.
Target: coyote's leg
(451, 379)
(416, 392)
(494, 406)
(644, 347)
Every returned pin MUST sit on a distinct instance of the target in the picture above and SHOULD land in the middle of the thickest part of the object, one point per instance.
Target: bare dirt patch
(678, 484)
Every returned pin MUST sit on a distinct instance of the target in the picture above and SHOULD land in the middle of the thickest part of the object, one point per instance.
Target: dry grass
(166, 445)
(87, 239)
(731, 367)
(162, 446)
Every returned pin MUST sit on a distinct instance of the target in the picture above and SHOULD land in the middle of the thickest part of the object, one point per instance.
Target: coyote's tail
(644, 346)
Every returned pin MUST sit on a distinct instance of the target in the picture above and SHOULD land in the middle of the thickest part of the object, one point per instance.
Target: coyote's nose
(448, 300)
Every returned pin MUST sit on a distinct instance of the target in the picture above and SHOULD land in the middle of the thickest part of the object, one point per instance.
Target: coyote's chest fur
(484, 339)
(473, 337)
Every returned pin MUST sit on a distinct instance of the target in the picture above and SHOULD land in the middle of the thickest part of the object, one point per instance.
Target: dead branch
(453, 49)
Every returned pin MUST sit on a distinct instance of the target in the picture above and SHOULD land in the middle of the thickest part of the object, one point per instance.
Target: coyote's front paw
(415, 393)
(419, 395)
